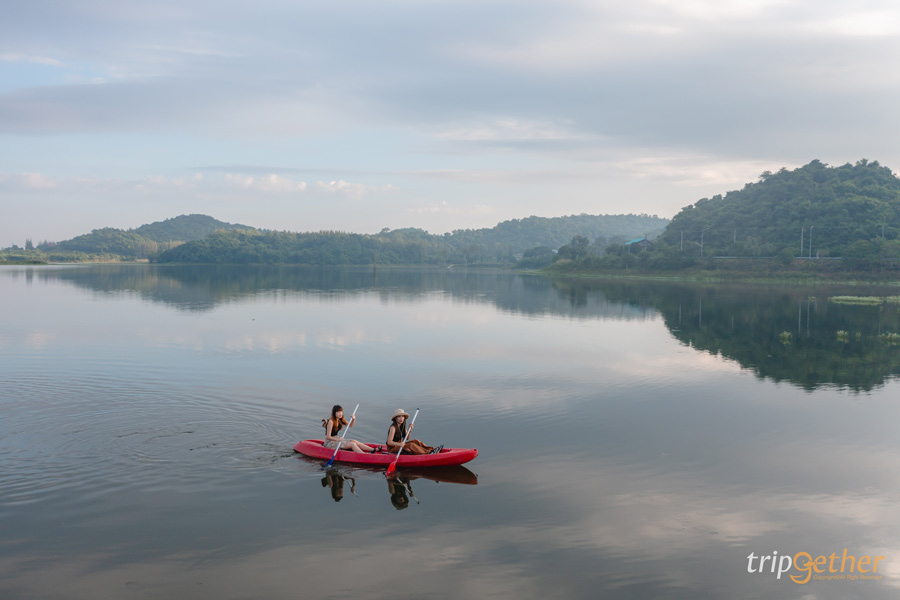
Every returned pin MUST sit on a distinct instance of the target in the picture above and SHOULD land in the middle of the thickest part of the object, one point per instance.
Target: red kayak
(447, 456)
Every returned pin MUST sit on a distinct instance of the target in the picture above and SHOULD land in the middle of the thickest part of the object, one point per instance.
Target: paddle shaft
(405, 437)
(341, 441)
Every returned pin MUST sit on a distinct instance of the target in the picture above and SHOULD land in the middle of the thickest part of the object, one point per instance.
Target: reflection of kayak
(451, 474)
(448, 456)
(447, 474)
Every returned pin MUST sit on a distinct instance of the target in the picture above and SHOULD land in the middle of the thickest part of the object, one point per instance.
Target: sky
(355, 116)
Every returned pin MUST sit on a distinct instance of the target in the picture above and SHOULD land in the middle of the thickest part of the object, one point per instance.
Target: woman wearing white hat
(397, 432)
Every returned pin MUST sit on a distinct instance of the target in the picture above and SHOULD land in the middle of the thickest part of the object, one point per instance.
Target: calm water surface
(636, 440)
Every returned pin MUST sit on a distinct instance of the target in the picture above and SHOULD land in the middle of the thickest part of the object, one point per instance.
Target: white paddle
(341, 441)
(393, 466)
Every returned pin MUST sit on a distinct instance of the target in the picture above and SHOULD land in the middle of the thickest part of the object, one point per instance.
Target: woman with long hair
(333, 426)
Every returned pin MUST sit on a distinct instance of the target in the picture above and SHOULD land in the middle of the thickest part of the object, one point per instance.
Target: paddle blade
(330, 462)
(391, 468)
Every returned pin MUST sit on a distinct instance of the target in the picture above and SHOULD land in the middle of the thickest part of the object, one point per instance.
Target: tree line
(214, 242)
(815, 212)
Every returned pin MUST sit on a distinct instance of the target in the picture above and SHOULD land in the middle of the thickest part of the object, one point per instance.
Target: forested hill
(185, 228)
(521, 234)
(201, 238)
(499, 244)
(143, 242)
(815, 210)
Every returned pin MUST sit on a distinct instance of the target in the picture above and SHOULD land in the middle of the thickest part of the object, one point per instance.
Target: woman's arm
(391, 444)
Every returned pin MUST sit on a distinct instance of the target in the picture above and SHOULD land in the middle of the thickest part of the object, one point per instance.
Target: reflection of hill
(202, 287)
(151, 283)
(750, 325)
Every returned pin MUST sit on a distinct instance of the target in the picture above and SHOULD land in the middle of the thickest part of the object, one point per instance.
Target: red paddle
(393, 465)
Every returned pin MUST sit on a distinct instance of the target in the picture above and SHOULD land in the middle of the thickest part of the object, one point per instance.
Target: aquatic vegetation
(892, 339)
(843, 336)
(870, 300)
(785, 337)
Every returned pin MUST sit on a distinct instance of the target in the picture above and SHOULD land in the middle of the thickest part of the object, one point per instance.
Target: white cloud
(38, 181)
(442, 208)
(564, 53)
(512, 128)
(270, 183)
(27, 182)
(353, 191)
(28, 58)
(266, 183)
(599, 35)
(719, 10)
(693, 170)
(876, 23)
(158, 182)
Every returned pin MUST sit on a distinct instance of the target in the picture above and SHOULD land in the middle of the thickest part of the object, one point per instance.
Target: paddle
(393, 465)
(341, 441)
(409, 487)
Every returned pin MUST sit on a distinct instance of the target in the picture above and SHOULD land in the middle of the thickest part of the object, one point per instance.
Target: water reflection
(203, 288)
(781, 333)
(624, 452)
(398, 488)
(795, 335)
(334, 480)
(399, 484)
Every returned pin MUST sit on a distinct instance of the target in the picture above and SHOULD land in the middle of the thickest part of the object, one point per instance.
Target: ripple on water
(85, 436)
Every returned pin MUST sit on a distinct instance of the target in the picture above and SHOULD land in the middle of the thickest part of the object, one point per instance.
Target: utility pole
(810, 240)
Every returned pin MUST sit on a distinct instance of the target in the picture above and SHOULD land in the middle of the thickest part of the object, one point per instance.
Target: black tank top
(399, 431)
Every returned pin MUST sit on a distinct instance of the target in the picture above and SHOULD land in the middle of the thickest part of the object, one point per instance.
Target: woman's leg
(355, 446)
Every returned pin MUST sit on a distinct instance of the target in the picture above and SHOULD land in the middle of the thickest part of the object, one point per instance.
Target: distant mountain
(185, 228)
(143, 242)
(203, 239)
(497, 245)
(518, 235)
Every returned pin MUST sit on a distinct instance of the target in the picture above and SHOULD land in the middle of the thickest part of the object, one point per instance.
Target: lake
(636, 439)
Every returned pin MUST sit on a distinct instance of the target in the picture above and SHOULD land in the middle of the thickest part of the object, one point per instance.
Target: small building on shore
(641, 243)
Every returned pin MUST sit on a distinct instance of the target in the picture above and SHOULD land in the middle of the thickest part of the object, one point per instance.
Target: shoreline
(769, 277)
